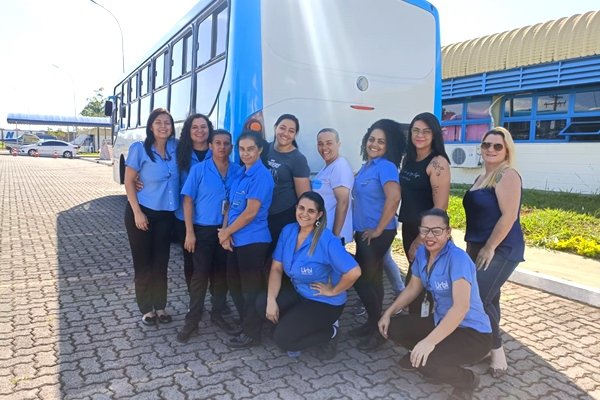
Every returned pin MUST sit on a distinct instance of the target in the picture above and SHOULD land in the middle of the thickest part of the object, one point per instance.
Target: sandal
(149, 319)
(498, 365)
(163, 317)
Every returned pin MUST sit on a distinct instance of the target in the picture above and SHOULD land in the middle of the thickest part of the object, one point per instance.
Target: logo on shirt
(441, 285)
(306, 270)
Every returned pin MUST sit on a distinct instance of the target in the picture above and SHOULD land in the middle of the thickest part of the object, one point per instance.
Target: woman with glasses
(149, 212)
(458, 331)
(424, 184)
(493, 235)
(320, 270)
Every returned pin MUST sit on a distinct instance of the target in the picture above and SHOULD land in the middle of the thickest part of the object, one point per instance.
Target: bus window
(208, 82)
(204, 41)
(159, 71)
(187, 53)
(221, 41)
(144, 80)
(177, 59)
(134, 90)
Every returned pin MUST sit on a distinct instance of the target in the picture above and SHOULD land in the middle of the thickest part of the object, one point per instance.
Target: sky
(55, 53)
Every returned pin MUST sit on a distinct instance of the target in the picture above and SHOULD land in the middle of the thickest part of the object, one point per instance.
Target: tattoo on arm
(437, 168)
(434, 190)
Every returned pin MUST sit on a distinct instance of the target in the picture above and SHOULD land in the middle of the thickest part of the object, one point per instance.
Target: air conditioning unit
(465, 157)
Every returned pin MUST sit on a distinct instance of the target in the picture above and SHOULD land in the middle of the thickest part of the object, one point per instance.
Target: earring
(317, 223)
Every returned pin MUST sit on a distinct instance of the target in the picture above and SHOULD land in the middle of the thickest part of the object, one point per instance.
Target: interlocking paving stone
(70, 328)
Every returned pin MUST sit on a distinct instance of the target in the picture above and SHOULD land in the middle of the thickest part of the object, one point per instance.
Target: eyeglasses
(487, 145)
(437, 231)
(423, 132)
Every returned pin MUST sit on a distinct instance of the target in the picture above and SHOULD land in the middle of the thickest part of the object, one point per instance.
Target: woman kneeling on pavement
(305, 312)
(205, 196)
(459, 331)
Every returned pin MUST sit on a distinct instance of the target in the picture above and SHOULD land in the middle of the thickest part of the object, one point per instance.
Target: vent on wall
(465, 157)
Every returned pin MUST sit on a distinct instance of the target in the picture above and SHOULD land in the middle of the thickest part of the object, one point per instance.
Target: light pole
(120, 30)
(74, 100)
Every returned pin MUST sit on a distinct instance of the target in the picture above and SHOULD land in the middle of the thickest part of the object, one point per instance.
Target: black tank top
(416, 190)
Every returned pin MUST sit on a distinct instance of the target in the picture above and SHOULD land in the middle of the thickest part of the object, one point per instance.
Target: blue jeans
(393, 273)
(490, 282)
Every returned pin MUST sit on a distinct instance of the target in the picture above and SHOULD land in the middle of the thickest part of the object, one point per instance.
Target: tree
(95, 105)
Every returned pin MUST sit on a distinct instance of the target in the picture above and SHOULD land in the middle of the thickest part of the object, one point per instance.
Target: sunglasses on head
(496, 146)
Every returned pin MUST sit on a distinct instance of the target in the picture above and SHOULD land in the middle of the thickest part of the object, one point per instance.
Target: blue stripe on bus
(244, 71)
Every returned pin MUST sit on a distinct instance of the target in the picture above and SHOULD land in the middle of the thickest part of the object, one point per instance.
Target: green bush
(555, 220)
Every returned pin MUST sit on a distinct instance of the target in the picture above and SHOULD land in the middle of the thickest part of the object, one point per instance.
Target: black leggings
(370, 284)
(302, 323)
(277, 222)
(463, 346)
(150, 252)
(245, 278)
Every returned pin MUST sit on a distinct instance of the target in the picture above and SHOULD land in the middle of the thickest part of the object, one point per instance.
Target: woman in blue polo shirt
(376, 194)
(459, 331)
(205, 197)
(320, 271)
(149, 212)
(192, 148)
(247, 236)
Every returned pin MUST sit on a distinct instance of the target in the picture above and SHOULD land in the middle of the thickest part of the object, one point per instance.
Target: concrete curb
(557, 286)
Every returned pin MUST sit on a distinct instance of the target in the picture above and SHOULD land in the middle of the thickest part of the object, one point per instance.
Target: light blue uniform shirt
(328, 263)
(368, 194)
(450, 265)
(183, 177)
(255, 183)
(208, 190)
(160, 177)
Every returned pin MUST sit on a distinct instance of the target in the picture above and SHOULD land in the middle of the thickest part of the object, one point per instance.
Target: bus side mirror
(108, 108)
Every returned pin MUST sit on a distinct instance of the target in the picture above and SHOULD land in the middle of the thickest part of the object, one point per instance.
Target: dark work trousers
(409, 233)
(490, 283)
(302, 323)
(277, 222)
(370, 284)
(245, 278)
(150, 253)
(444, 364)
(188, 258)
(210, 262)
(188, 270)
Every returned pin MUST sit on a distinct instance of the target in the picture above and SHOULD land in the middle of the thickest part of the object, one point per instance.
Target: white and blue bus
(333, 63)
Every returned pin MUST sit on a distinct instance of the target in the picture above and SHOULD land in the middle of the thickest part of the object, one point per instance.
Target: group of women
(275, 239)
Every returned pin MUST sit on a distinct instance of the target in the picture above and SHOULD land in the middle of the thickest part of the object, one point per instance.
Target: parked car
(49, 147)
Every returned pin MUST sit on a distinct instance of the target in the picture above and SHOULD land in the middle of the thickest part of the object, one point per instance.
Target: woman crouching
(459, 331)
(320, 270)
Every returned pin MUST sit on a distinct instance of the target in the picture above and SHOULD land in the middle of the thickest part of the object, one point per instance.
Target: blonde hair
(509, 162)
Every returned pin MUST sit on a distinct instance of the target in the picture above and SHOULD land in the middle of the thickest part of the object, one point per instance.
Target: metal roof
(34, 119)
(561, 39)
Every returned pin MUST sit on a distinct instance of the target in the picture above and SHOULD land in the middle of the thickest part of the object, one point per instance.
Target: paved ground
(69, 326)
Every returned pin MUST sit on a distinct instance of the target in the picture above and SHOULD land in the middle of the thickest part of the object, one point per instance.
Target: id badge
(425, 308)
(224, 207)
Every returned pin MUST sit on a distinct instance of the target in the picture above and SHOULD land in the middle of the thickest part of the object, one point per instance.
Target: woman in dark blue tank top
(424, 184)
(494, 237)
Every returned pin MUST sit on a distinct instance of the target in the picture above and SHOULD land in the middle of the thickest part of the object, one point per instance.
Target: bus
(333, 63)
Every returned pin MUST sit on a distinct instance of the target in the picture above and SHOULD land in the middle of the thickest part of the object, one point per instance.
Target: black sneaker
(371, 342)
(362, 331)
(229, 329)
(186, 332)
(242, 341)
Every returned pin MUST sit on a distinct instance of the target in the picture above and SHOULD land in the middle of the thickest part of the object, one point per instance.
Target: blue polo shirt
(450, 265)
(328, 263)
(368, 194)
(160, 177)
(183, 177)
(208, 190)
(254, 183)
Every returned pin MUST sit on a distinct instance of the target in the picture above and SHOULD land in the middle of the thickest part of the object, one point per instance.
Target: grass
(561, 221)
